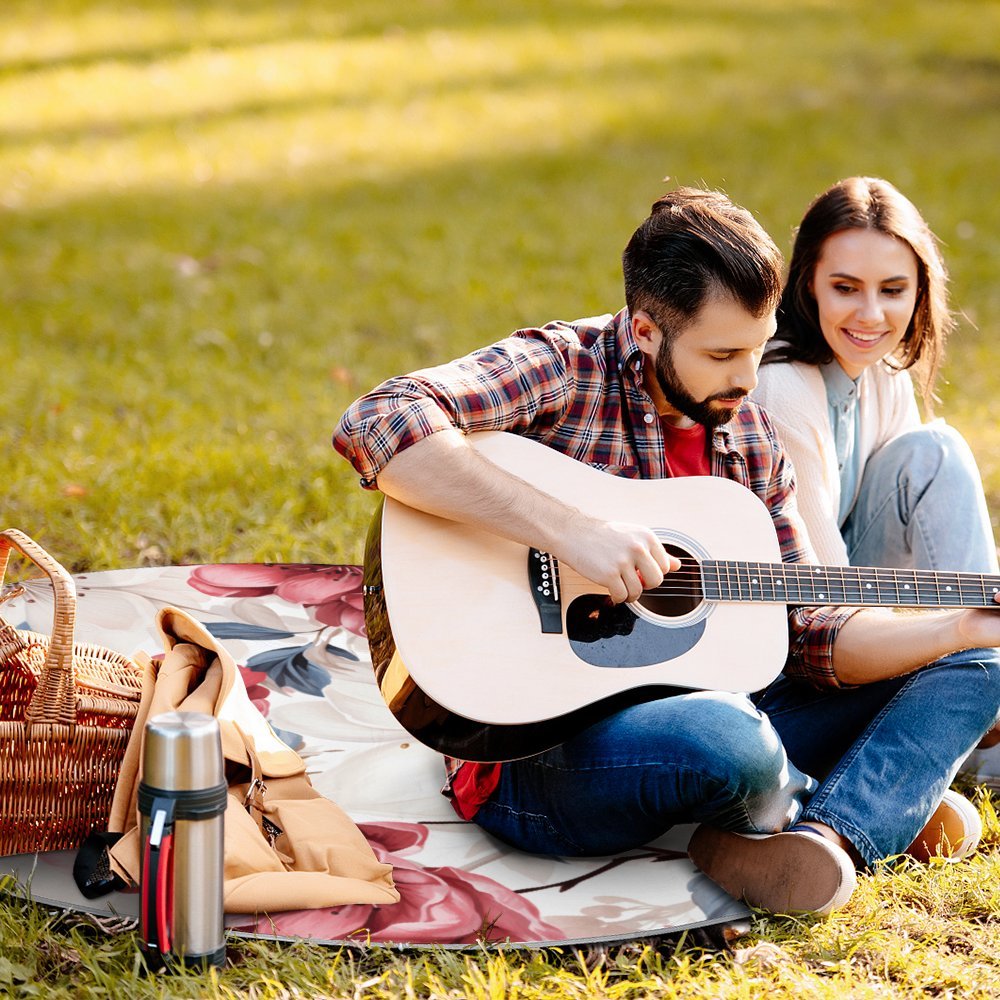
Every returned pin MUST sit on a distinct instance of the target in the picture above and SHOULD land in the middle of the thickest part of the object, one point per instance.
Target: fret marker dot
(823, 596)
(753, 579)
(906, 586)
(868, 586)
(947, 588)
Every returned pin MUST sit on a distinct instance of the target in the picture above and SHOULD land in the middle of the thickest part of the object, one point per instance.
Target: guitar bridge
(543, 578)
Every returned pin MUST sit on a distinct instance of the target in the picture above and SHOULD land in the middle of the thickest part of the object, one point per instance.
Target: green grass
(221, 221)
(909, 932)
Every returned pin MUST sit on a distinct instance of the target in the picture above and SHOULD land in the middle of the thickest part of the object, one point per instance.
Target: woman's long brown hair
(866, 203)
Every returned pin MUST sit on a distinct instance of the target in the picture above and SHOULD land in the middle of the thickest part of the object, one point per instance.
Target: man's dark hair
(694, 244)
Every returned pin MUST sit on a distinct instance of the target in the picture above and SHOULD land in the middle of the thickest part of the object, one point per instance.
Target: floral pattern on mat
(332, 592)
(440, 903)
(297, 633)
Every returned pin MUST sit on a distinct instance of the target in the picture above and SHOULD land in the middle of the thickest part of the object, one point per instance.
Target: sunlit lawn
(222, 221)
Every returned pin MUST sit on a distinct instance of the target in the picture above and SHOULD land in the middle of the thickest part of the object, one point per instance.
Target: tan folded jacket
(286, 846)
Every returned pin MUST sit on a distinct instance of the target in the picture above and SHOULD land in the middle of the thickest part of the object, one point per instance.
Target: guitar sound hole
(680, 593)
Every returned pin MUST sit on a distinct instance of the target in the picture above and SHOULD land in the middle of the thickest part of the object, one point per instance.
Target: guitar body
(476, 664)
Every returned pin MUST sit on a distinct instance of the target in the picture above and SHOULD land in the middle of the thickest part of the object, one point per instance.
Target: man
(857, 742)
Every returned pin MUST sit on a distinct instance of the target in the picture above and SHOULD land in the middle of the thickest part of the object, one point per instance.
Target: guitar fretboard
(793, 583)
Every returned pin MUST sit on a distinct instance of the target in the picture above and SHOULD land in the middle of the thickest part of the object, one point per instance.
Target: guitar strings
(690, 581)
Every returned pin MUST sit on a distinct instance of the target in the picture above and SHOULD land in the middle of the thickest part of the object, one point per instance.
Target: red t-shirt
(686, 455)
(686, 450)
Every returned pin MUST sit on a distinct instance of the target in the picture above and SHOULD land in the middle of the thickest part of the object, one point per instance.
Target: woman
(865, 304)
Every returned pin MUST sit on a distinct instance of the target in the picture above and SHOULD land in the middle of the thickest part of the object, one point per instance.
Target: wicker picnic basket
(66, 711)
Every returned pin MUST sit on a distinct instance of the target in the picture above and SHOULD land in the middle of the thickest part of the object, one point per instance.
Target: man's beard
(680, 399)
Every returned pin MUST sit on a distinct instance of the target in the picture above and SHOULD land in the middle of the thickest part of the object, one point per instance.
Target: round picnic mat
(297, 633)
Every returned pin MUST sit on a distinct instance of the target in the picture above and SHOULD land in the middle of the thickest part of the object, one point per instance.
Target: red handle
(165, 893)
(156, 916)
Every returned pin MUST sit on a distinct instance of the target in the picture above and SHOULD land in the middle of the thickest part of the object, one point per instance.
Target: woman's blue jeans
(872, 762)
(920, 505)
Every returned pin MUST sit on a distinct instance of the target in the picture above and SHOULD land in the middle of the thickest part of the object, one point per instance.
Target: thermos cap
(182, 752)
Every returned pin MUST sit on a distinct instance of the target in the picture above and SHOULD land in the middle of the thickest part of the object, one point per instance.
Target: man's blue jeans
(696, 756)
(872, 762)
(886, 752)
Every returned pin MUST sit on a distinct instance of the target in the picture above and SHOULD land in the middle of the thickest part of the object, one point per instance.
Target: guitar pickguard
(613, 635)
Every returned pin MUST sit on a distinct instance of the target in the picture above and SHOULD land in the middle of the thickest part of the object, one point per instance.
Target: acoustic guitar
(488, 650)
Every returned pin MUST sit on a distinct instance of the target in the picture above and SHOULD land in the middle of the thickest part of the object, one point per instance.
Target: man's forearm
(444, 475)
(878, 643)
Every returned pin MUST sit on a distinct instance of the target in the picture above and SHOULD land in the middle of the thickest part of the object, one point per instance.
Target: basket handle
(54, 700)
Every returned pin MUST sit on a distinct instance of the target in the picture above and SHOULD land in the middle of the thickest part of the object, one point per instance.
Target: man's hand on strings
(624, 558)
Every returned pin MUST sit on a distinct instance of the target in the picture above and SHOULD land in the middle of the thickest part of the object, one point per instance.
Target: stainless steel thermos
(182, 801)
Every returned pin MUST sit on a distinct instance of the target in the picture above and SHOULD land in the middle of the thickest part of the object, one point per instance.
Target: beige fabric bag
(286, 846)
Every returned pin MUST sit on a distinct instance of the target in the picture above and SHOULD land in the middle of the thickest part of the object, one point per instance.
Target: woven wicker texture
(66, 711)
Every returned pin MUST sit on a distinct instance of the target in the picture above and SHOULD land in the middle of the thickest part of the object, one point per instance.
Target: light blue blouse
(842, 402)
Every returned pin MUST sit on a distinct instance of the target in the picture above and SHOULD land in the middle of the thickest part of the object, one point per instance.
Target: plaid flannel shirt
(577, 387)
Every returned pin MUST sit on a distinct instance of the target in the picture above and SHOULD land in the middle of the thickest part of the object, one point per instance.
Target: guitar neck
(801, 583)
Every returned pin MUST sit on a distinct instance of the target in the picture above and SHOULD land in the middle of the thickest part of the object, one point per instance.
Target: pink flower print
(441, 905)
(334, 592)
(257, 692)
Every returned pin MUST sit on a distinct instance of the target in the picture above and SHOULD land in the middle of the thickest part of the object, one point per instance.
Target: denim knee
(762, 790)
(920, 505)
(923, 454)
(746, 751)
(973, 675)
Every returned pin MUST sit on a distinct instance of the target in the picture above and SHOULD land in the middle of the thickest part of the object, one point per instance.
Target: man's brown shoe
(788, 872)
(953, 831)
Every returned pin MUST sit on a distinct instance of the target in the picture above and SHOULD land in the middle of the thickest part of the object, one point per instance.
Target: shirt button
(648, 418)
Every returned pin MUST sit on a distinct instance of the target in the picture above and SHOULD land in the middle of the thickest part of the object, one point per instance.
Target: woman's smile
(865, 285)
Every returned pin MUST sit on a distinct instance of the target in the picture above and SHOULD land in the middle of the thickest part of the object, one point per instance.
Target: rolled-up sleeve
(812, 632)
(515, 384)
(382, 423)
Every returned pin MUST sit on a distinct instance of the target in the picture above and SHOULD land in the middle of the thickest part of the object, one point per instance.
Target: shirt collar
(630, 357)
(840, 387)
(722, 439)
(632, 360)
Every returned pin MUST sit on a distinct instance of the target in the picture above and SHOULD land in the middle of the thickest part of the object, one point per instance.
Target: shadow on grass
(228, 25)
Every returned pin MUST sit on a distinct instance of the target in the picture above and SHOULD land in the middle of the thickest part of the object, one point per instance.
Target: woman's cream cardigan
(794, 395)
